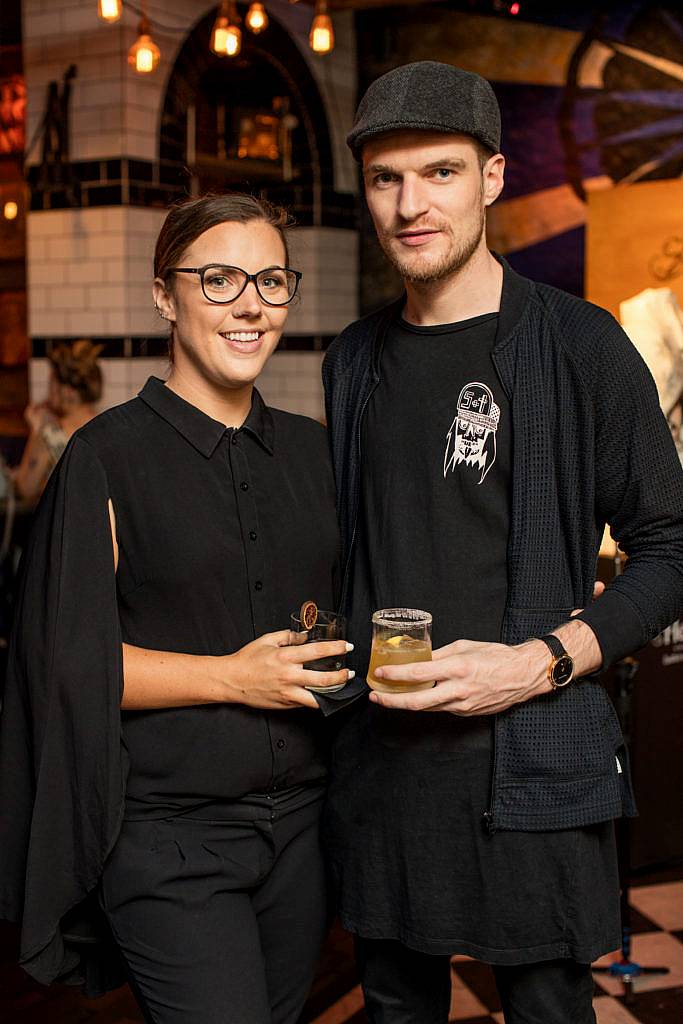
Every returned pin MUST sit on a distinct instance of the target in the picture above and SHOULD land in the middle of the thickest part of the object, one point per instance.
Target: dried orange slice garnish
(308, 614)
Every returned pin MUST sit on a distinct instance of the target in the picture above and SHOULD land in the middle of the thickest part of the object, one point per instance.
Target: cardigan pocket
(565, 734)
(524, 623)
(569, 733)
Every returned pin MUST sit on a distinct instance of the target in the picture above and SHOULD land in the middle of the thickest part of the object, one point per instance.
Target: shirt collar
(259, 423)
(513, 301)
(203, 432)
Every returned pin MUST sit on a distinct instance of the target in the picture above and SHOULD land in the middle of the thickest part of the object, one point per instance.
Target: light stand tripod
(625, 969)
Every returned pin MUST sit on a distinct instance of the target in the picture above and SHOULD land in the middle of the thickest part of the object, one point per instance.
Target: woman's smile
(243, 342)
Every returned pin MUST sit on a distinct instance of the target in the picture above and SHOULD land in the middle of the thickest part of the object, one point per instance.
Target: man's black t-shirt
(436, 485)
(436, 478)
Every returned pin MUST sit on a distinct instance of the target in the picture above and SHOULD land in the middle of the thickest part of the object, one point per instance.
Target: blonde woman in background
(74, 389)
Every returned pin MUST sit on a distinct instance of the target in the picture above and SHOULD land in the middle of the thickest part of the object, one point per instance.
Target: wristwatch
(561, 667)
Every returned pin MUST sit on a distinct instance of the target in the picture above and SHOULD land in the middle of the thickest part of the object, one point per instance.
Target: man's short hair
(484, 153)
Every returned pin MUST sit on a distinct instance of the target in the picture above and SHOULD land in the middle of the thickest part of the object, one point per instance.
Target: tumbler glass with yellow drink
(399, 636)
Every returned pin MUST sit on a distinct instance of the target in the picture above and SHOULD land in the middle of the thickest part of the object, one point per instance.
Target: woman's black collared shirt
(222, 534)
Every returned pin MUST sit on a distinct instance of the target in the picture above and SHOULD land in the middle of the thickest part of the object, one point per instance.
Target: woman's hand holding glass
(270, 672)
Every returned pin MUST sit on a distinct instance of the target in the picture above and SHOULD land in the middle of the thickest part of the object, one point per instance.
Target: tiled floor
(337, 999)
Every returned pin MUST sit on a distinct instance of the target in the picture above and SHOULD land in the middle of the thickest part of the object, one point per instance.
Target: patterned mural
(12, 114)
(591, 96)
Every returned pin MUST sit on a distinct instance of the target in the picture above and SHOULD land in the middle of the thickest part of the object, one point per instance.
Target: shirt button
(252, 535)
(258, 585)
(281, 744)
(234, 438)
(244, 485)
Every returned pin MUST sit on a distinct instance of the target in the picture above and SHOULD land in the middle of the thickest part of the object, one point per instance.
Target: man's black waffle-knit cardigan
(590, 446)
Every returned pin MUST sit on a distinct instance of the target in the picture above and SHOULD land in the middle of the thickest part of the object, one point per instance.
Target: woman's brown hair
(75, 365)
(188, 220)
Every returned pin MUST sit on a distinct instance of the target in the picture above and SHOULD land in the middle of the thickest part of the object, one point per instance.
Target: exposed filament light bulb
(256, 19)
(219, 32)
(226, 37)
(144, 55)
(321, 38)
(234, 40)
(109, 10)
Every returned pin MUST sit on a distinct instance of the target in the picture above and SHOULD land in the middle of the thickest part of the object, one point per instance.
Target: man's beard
(450, 263)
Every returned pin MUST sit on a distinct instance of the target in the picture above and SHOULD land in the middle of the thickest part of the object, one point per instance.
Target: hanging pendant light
(226, 37)
(256, 19)
(109, 10)
(234, 41)
(219, 31)
(321, 38)
(144, 54)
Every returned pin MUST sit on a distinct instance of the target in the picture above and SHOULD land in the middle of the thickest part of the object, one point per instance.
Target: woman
(75, 387)
(177, 535)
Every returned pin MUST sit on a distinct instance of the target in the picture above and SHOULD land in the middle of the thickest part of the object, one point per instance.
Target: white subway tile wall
(95, 263)
(291, 381)
(328, 258)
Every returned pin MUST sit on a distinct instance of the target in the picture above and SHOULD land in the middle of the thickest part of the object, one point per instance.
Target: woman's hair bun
(75, 365)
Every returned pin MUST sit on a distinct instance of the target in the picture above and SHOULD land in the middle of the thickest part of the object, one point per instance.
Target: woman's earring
(161, 314)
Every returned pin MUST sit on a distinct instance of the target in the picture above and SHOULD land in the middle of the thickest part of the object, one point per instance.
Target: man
(484, 428)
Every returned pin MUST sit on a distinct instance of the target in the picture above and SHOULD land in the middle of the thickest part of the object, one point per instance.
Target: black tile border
(145, 347)
(140, 347)
(124, 181)
(106, 182)
(305, 342)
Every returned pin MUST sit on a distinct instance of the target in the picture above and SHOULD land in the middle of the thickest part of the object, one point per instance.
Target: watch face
(563, 670)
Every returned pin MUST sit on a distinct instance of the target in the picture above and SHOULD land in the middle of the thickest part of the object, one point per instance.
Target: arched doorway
(255, 122)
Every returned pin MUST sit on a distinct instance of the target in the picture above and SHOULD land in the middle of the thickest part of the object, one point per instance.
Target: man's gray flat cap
(429, 95)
